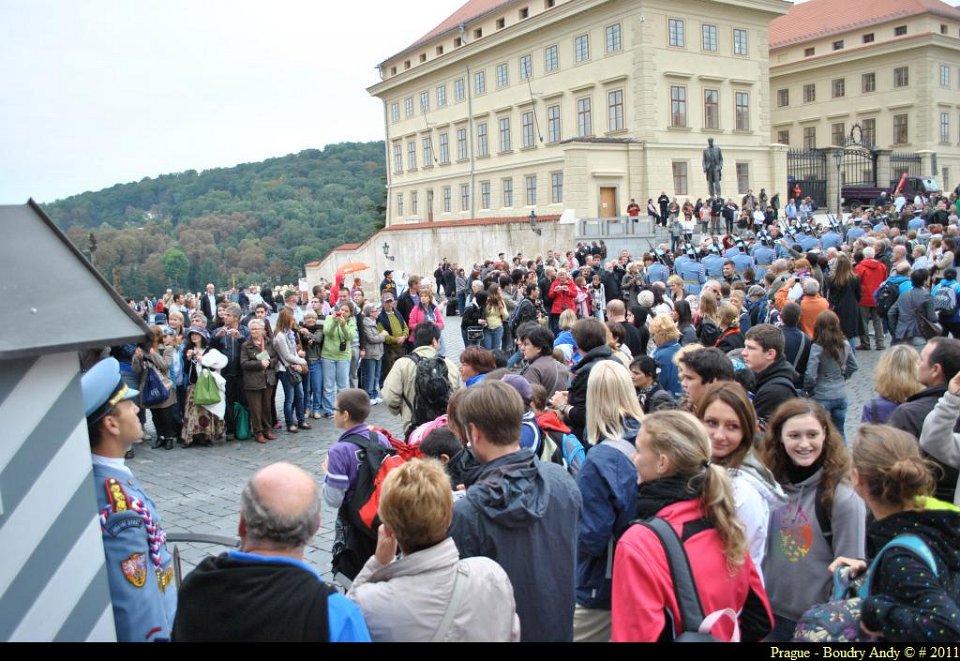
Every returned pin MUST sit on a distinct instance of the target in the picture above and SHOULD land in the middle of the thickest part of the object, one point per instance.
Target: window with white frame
(411, 155)
(505, 142)
(444, 147)
(709, 34)
(447, 194)
(839, 87)
(551, 59)
(944, 127)
(526, 67)
(428, 152)
(743, 177)
(613, 38)
(531, 187)
(482, 146)
(581, 48)
(615, 109)
(810, 93)
(480, 82)
(441, 96)
(526, 129)
(502, 76)
(711, 109)
(556, 187)
(424, 102)
(869, 127)
(458, 90)
(809, 138)
(553, 123)
(397, 157)
(399, 204)
(783, 136)
(395, 112)
(414, 203)
(868, 82)
(584, 117)
(461, 144)
(901, 77)
(678, 106)
(484, 194)
(464, 197)
(408, 106)
(742, 109)
(944, 75)
(740, 42)
(675, 32)
(838, 134)
(507, 186)
(679, 177)
(783, 98)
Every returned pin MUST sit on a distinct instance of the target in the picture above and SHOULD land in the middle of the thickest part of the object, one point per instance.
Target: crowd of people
(609, 419)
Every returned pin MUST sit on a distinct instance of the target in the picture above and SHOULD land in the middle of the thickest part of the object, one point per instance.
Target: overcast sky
(99, 92)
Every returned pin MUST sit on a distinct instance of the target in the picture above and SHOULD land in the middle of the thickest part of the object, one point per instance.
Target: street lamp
(533, 223)
(386, 251)
(92, 246)
(838, 157)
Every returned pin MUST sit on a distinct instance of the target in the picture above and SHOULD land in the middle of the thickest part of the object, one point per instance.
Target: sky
(99, 92)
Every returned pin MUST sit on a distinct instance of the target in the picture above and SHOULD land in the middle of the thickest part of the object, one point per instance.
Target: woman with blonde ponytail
(681, 485)
(910, 599)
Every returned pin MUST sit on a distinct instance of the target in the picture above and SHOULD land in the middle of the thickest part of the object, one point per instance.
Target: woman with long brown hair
(844, 294)
(682, 486)
(159, 356)
(823, 517)
(832, 361)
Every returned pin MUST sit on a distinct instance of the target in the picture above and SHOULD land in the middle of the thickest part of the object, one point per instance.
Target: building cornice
(847, 56)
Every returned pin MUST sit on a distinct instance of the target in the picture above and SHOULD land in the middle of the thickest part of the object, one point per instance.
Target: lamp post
(386, 252)
(533, 223)
(838, 157)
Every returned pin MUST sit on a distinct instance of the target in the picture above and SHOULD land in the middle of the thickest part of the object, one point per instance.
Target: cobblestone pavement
(198, 489)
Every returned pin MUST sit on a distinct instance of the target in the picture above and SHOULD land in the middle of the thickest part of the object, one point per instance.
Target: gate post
(884, 172)
(833, 176)
(928, 160)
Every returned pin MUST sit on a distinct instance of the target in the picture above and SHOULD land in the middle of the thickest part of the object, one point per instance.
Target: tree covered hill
(256, 222)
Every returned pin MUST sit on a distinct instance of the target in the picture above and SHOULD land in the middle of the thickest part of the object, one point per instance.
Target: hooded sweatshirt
(798, 553)
(756, 494)
(907, 602)
(774, 387)
(523, 514)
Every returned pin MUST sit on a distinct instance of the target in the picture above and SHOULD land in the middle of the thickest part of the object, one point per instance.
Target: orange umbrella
(352, 267)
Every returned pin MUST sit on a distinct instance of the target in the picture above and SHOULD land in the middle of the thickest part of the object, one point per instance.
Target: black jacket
(577, 394)
(793, 341)
(909, 417)
(774, 387)
(907, 602)
(404, 305)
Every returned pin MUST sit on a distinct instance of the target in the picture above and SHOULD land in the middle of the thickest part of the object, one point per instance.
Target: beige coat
(398, 387)
(406, 600)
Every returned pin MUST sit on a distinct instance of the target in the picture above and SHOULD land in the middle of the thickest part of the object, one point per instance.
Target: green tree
(176, 266)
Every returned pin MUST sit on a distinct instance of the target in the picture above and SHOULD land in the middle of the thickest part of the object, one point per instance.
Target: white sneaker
(375, 401)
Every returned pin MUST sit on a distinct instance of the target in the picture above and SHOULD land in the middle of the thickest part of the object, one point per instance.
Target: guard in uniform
(713, 262)
(688, 268)
(658, 271)
(831, 238)
(139, 567)
(856, 231)
(763, 255)
(809, 240)
(742, 260)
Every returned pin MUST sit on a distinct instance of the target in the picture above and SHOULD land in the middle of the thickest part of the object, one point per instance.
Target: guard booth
(53, 581)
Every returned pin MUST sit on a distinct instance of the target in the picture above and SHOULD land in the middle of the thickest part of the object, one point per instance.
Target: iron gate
(808, 169)
(858, 166)
(902, 161)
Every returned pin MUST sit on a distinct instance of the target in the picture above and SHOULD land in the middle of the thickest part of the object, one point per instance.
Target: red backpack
(376, 462)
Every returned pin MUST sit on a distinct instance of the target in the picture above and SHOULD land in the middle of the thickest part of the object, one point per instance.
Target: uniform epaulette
(117, 498)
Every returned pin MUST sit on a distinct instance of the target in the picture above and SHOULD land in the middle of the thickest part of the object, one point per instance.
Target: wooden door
(608, 202)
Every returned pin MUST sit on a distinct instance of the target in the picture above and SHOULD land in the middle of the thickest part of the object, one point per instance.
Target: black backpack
(888, 295)
(431, 390)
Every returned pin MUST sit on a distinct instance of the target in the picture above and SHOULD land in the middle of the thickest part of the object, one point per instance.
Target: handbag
(153, 392)
(206, 391)
(241, 421)
(295, 377)
(838, 620)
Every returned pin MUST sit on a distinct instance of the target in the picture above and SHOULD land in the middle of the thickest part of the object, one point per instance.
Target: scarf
(797, 474)
(654, 496)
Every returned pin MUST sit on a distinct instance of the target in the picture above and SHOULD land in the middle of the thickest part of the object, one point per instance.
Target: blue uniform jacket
(692, 273)
(713, 265)
(658, 273)
(831, 240)
(139, 567)
(743, 262)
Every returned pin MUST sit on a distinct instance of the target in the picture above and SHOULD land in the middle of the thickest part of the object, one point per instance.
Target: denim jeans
(514, 359)
(354, 370)
(461, 302)
(371, 376)
(336, 377)
(292, 397)
(492, 338)
(837, 408)
(313, 385)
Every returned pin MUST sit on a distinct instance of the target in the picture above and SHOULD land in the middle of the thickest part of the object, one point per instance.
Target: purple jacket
(878, 410)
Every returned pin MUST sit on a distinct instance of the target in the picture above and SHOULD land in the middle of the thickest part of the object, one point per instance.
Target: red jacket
(563, 300)
(643, 589)
(872, 273)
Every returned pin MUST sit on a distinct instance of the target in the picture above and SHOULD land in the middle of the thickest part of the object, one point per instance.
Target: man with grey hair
(228, 339)
(872, 273)
(265, 591)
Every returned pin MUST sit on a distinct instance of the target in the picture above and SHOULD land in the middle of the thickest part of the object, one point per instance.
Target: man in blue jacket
(521, 512)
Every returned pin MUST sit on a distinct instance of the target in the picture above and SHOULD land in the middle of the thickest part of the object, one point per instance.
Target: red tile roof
(471, 10)
(348, 246)
(819, 18)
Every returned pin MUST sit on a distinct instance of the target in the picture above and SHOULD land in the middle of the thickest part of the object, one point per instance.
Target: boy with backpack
(420, 384)
(351, 466)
